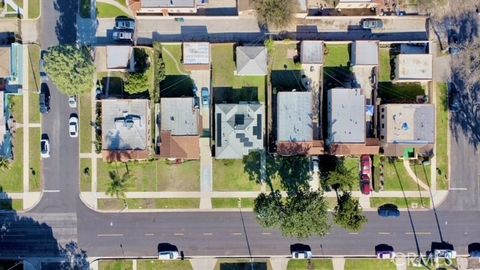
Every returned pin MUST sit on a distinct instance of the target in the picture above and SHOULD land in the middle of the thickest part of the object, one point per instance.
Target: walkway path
(128, 11)
(406, 164)
(203, 263)
(206, 169)
(279, 263)
(175, 61)
(338, 263)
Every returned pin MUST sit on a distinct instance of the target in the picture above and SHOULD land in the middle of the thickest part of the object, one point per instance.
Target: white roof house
(170, 6)
(413, 67)
(356, 4)
(196, 53)
(346, 116)
(311, 52)
(365, 52)
(251, 60)
(294, 117)
(120, 57)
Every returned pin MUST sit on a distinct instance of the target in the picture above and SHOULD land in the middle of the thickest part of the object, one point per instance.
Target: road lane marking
(419, 233)
(51, 190)
(178, 234)
(266, 233)
(353, 233)
(383, 233)
(149, 234)
(236, 233)
(458, 188)
(207, 233)
(109, 234)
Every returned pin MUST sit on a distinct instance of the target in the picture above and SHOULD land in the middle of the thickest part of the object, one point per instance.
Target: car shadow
(166, 247)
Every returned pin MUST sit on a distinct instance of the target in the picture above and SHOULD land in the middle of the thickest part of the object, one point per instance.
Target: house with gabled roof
(239, 129)
(251, 61)
(179, 128)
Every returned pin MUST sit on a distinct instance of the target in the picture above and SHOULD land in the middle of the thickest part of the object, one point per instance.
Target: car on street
(44, 146)
(302, 254)
(44, 103)
(386, 254)
(72, 101)
(388, 212)
(444, 253)
(73, 126)
(122, 35)
(168, 255)
(205, 96)
(372, 24)
(125, 24)
(43, 73)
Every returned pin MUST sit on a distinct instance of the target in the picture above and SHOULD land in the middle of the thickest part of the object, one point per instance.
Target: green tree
(340, 179)
(305, 215)
(118, 185)
(136, 83)
(269, 209)
(348, 213)
(4, 164)
(277, 13)
(159, 66)
(70, 68)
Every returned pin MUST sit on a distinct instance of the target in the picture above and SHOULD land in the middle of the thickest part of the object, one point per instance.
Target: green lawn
(395, 176)
(170, 203)
(154, 175)
(34, 62)
(399, 92)
(281, 57)
(33, 9)
(315, 264)
(163, 265)
(229, 175)
(122, 2)
(385, 67)
(231, 88)
(34, 110)
(11, 180)
(352, 164)
(115, 265)
(336, 72)
(338, 55)
(105, 10)
(85, 178)
(85, 113)
(10, 204)
(16, 105)
(242, 264)
(175, 50)
(35, 164)
(232, 202)
(441, 136)
(400, 202)
(423, 172)
(19, 3)
(85, 8)
(369, 264)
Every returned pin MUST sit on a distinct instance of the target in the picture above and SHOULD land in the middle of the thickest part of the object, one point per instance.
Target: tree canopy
(340, 178)
(136, 83)
(269, 209)
(118, 185)
(70, 68)
(348, 213)
(276, 13)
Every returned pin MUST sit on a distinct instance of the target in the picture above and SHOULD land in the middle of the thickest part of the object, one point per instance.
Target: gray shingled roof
(312, 52)
(118, 56)
(346, 116)
(294, 117)
(238, 129)
(365, 52)
(167, 3)
(251, 60)
(178, 116)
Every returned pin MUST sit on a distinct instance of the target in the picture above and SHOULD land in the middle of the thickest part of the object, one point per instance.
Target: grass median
(85, 175)
(35, 175)
(115, 265)
(441, 136)
(85, 114)
(163, 265)
(369, 264)
(232, 202)
(315, 264)
(411, 202)
(163, 203)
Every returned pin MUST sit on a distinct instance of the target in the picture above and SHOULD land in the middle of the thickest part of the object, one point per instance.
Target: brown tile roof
(371, 147)
(186, 147)
(300, 148)
(397, 150)
(124, 155)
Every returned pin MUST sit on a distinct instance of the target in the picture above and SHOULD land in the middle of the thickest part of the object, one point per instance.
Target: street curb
(35, 204)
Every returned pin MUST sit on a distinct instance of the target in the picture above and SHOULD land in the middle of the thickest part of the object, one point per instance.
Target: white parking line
(178, 234)
(266, 233)
(109, 234)
(51, 190)
(458, 188)
(419, 233)
(207, 233)
(149, 234)
(386, 233)
(353, 233)
(236, 233)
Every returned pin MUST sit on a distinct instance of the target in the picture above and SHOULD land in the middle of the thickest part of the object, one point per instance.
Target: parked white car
(302, 254)
(73, 126)
(44, 148)
(72, 101)
(168, 255)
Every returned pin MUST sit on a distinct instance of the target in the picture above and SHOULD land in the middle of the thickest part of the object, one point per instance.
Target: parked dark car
(44, 103)
(125, 24)
(388, 211)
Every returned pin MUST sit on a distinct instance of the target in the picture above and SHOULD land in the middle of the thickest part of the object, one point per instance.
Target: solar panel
(218, 138)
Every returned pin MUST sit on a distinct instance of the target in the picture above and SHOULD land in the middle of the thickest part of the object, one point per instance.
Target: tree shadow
(286, 80)
(177, 86)
(23, 237)
(66, 26)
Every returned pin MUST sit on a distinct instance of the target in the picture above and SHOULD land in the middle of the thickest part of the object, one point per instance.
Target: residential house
(167, 7)
(196, 55)
(356, 4)
(413, 68)
(405, 128)
(239, 129)
(311, 52)
(365, 53)
(347, 133)
(365, 61)
(179, 128)
(295, 125)
(114, 58)
(125, 129)
(251, 61)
